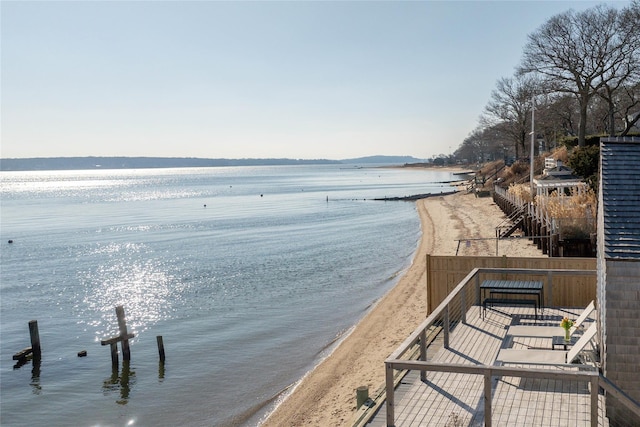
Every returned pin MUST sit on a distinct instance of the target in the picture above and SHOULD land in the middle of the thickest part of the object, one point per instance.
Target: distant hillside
(395, 160)
(82, 163)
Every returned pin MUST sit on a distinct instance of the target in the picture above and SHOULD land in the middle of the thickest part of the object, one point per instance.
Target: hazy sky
(295, 79)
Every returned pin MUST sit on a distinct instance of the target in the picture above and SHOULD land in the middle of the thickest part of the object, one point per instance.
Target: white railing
(540, 213)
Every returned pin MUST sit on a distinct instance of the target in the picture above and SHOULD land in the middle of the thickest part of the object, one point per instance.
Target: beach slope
(327, 395)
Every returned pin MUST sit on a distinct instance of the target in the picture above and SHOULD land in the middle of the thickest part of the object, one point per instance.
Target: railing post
(446, 327)
(548, 295)
(595, 388)
(463, 304)
(423, 353)
(478, 289)
(390, 394)
(427, 278)
(487, 398)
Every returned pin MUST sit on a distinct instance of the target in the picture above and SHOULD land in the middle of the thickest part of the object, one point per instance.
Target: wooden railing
(452, 311)
(488, 372)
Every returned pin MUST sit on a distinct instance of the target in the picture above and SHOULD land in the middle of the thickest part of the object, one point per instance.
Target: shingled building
(619, 267)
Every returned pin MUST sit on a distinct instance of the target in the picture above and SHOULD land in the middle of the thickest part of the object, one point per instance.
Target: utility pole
(533, 139)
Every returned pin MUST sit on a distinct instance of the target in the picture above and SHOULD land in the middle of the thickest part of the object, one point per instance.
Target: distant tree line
(581, 73)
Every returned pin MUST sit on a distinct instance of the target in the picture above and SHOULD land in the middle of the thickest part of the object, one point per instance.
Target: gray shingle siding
(620, 175)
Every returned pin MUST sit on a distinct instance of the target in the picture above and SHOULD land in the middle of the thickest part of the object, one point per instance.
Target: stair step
(517, 223)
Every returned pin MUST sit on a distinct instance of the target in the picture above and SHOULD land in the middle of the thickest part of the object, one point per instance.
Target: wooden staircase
(511, 223)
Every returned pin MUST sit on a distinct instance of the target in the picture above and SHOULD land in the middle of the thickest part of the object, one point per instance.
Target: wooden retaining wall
(445, 272)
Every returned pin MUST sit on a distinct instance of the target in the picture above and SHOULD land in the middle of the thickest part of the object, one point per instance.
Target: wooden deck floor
(447, 399)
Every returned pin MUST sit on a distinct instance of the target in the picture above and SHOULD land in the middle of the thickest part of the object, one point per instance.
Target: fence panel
(444, 273)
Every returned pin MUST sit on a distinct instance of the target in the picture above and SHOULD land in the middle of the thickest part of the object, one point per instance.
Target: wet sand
(327, 395)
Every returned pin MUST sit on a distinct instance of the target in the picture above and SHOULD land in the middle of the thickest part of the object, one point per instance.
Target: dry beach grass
(327, 395)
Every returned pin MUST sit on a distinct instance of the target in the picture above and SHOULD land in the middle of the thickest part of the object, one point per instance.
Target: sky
(255, 79)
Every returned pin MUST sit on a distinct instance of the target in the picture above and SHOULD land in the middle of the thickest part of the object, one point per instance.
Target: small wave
(324, 352)
(339, 336)
(276, 400)
(247, 415)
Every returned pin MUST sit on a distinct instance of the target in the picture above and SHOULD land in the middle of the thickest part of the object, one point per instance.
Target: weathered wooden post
(124, 337)
(114, 354)
(35, 341)
(160, 348)
(362, 395)
(34, 351)
(161, 371)
(122, 325)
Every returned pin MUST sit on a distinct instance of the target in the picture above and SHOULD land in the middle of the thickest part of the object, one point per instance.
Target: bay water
(250, 274)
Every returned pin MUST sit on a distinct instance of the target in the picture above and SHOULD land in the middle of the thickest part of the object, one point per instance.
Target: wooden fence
(444, 273)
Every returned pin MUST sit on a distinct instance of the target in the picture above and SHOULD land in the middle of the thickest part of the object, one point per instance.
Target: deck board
(449, 399)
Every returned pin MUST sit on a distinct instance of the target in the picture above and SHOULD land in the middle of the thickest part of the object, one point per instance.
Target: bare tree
(623, 73)
(483, 144)
(509, 109)
(580, 53)
(555, 117)
(629, 106)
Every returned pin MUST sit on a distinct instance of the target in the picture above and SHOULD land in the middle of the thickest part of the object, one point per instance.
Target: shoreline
(326, 395)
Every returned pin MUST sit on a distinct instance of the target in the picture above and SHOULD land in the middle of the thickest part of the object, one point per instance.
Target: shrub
(522, 191)
(574, 215)
(576, 205)
(518, 168)
(584, 161)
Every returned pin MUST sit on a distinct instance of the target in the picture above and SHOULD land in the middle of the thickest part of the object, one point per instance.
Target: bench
(537, 293)
(508, 301)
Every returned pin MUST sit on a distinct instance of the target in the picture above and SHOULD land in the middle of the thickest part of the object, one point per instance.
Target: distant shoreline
(100, 163)
(142, 162)
(457, 170)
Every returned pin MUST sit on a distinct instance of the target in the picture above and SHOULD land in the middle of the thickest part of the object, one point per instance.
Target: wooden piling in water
(114, 354)
(122, 325)
(35, 340)
(22, 354)
(124, 337)
(160, 347)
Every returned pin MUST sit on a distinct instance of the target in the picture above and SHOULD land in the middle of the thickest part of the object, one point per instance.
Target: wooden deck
(452, 399)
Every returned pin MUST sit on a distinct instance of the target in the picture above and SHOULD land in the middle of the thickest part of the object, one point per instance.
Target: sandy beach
(327, 395)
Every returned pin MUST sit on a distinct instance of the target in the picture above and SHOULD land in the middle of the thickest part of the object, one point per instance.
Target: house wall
(620, 340)
(618, 250)
(619, 317)
(601, 278)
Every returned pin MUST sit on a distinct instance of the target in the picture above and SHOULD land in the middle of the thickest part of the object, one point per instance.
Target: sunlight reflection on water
(128, 275)
(248, 284)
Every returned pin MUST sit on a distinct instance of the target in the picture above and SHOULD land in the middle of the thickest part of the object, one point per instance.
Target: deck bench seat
(509, 301)
(494, 292)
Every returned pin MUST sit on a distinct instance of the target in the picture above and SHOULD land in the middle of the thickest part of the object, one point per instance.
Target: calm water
(249, 292)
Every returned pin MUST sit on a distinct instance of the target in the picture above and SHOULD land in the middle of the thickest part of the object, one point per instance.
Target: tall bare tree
(555, 117)
(579, 53)
(623, 73)
(509, 109)
(483, 144)
(629, 106)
